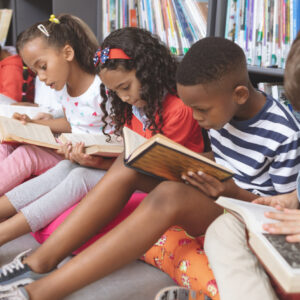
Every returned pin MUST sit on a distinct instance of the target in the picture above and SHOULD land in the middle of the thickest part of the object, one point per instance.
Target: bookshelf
(257, 74)
(28, 12)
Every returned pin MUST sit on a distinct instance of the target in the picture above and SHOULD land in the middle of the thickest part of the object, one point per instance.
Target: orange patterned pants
(182, 257)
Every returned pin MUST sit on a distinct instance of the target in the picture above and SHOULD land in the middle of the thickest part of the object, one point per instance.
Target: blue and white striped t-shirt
(263, 152)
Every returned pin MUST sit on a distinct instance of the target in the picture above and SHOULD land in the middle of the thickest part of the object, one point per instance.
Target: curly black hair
(70, 30)
(210, 59)
(155, 68)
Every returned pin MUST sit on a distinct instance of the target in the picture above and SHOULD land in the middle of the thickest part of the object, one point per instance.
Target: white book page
(6, 100)
(30, 111)
(132, 141)
(92, 139)
(34, 132)
(253, 214)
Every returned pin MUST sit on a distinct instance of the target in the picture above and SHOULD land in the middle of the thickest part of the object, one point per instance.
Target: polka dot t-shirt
(84, 112)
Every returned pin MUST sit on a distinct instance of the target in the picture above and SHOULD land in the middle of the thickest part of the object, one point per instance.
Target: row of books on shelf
(276, 90)
(265, 29)
(178, 23)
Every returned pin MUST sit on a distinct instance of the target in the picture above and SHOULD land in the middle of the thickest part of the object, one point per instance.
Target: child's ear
(241, 94)
(68, 52)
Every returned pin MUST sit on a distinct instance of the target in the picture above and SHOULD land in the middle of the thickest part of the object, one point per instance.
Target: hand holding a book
(289, 224)
(210, 185)
(289, 200)
(76, 153)
(22, 117)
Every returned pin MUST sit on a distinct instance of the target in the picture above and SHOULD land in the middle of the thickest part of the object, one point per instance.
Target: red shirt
(11, 77)
(178, 124)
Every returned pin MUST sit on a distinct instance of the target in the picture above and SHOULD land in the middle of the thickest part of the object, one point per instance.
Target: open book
(280, 258)
(6, 100)
(12, 130)
(95, 144)
(31, 111)
(166, 159)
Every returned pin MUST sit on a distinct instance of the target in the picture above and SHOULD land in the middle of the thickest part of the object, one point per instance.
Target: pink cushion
(42, 234)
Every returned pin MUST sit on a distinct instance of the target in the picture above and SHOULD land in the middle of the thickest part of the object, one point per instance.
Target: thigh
(189, 208)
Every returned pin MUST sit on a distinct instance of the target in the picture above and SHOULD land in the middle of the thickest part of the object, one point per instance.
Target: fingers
(21, 117)
(205, 183)
(289, 228)
(295, 238)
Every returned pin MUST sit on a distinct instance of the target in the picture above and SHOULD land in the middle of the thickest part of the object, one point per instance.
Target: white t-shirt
(49, 98)
(84, 112)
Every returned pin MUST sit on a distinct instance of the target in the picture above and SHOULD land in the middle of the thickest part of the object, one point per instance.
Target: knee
(166, 198)
(66, 165)
(225, 228)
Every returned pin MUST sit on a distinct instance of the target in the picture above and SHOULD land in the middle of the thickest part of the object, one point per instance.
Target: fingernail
(200, 173)
(190, 173)
(183, 177)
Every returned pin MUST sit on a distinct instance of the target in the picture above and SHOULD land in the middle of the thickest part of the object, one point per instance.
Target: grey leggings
(45, 197)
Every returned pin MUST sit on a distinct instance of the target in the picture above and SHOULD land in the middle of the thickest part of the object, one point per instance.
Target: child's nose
(125, 98)
(42, 77)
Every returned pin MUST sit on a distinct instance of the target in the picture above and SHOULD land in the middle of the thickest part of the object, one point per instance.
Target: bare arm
(56, 125)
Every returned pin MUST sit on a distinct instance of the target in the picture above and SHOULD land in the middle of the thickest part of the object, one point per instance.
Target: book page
(6, 100)
(12, 129)
(289, 251)
(30, 111)
(253, 214)
(132, 141)
(90, 139)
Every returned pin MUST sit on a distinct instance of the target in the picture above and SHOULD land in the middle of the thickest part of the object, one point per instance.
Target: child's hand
(22, 117)
(289, 224)
(289, 200)
(78, 155)
(43, 116)
(65, 150)
(209, 185)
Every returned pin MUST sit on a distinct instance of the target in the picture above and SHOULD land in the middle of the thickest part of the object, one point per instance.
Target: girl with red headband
(138, 81)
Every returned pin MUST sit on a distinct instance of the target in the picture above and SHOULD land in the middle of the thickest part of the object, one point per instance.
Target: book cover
(280, 258)
(166, 159)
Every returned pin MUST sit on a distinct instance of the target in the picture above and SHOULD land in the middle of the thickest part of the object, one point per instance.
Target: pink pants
(18, 163)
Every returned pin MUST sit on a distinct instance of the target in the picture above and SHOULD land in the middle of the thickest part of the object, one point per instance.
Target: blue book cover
(150, 17)
(183, 21)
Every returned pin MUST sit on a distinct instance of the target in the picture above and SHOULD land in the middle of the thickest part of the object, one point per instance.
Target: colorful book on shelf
(166, 159)
(280, 258)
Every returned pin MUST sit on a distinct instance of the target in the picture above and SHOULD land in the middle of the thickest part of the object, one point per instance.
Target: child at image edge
(226, 245)
(213, 80)
(56, 69)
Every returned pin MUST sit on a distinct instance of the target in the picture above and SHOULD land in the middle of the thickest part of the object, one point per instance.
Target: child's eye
(44, 67)
(126, 88)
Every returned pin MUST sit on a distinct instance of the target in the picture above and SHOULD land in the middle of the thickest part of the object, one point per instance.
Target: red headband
(107, 53)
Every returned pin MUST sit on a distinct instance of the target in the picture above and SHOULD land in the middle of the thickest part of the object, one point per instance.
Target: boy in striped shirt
(226, 245)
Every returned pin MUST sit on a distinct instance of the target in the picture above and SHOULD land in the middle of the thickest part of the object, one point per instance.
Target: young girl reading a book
(54, 50)
(143, 93)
